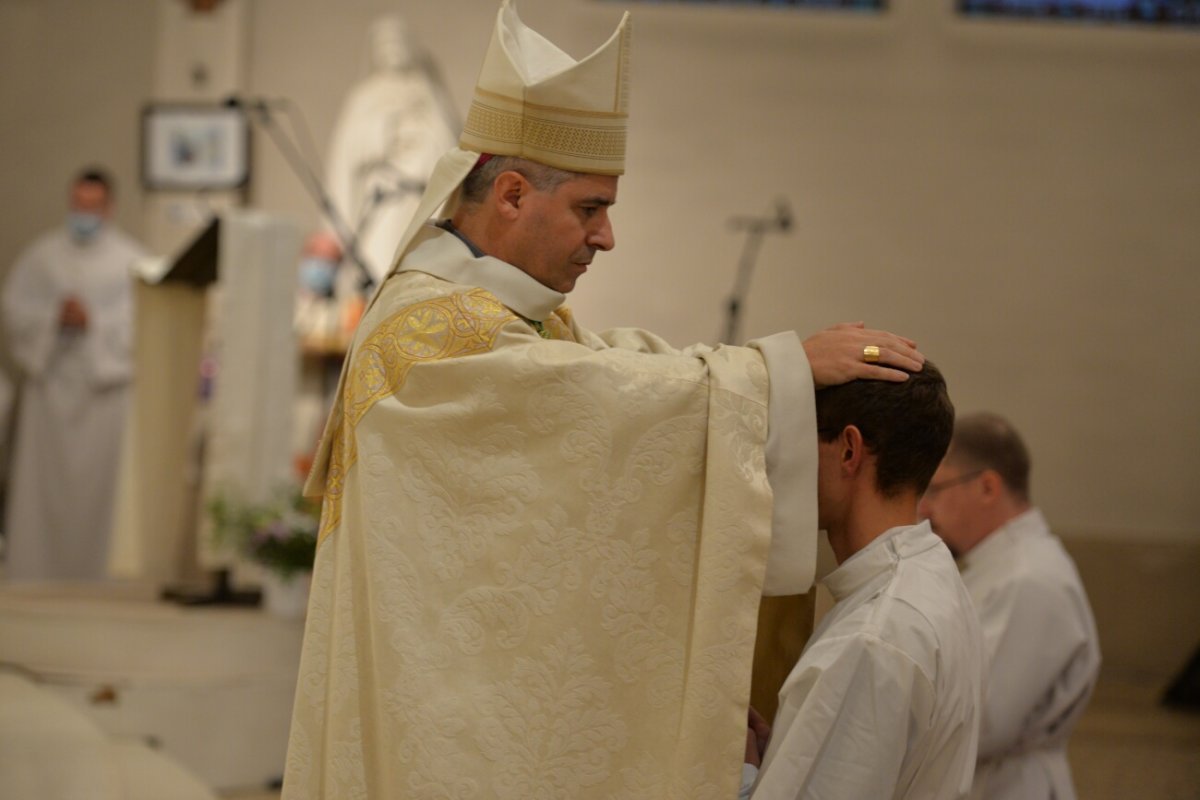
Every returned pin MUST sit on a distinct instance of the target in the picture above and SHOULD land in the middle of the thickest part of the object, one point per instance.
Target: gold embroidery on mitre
(598, 144)
(432, 330)
(518, 106)
(492, 124)
(581, 141)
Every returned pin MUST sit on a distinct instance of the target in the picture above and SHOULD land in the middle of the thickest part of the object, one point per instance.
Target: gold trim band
(517, 103)
(494, 130)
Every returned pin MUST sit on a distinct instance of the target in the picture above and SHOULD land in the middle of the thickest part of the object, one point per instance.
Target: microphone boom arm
(756, 228)
(312, 184)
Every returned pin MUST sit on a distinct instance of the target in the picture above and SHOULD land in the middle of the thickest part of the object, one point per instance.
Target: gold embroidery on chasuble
(558, 325)
(432, 330)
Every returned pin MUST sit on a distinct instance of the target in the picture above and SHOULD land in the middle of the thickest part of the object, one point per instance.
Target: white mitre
(534, 101)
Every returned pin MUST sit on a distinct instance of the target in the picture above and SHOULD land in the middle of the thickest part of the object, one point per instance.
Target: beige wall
(73, 77)
(1021, 199)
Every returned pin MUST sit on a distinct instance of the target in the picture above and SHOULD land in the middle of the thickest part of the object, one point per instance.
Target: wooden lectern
(226, 300)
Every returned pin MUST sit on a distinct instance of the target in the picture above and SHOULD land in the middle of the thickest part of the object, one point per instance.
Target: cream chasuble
(541, 556)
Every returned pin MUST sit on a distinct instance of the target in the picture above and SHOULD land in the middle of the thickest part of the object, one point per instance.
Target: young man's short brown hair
(906, 426)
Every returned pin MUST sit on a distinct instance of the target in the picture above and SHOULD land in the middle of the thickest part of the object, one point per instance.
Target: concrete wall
(1019, 198)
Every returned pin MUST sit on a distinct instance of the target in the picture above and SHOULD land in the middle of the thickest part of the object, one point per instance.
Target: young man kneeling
(885, 700)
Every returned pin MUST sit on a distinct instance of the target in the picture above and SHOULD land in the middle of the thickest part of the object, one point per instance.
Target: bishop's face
(561, 229)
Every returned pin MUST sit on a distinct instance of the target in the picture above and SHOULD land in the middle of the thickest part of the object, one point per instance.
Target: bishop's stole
(541, 555)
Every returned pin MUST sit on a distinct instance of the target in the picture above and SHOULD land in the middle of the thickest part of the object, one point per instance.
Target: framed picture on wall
(194, 147)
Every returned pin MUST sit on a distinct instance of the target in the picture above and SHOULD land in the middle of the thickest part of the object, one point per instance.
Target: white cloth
(538, 553)
(1043, 659)
(391, 131)
(885, 700)
(51, 750)
(72, 402)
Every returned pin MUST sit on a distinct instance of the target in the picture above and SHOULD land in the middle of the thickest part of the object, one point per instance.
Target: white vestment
(72, 402)
(542, 551)
(886, 698)
(391, 131)
(1043, 659)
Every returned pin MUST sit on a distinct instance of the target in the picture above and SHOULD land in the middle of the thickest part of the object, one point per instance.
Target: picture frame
(195, 147)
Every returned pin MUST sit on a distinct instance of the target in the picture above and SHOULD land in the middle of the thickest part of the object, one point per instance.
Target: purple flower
(275, 530)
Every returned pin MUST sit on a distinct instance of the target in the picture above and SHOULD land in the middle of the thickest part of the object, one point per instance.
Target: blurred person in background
(1043, 654)
(68, 320)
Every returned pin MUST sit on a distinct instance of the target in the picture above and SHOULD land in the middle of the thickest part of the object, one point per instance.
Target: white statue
(392, 129)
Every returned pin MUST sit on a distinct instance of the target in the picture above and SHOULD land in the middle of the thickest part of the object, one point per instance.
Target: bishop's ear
(508, 191)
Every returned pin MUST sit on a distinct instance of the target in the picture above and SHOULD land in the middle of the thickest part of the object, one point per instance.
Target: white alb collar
(877, 558)
(443, 255)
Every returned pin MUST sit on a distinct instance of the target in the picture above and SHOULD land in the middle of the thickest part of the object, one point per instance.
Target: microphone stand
(400, 187)
(756, 228)
(313, 186)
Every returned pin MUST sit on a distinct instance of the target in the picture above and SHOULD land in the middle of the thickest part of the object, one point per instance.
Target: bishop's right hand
(839, 355)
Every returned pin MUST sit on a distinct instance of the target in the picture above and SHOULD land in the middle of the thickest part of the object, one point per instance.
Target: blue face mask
(83, 226)
(316, 275)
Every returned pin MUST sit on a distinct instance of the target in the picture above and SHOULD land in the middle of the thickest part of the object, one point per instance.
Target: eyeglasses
(934, 488)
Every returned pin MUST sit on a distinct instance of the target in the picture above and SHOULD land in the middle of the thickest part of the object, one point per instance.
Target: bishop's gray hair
(479, 182)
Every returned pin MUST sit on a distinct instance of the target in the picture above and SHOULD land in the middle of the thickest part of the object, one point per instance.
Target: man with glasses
(1042, 649)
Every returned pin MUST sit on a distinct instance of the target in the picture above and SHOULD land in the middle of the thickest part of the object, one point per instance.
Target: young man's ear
(853, 449)
(508, 190)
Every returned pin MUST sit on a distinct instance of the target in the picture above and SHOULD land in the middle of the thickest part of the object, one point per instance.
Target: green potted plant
(279, 536)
